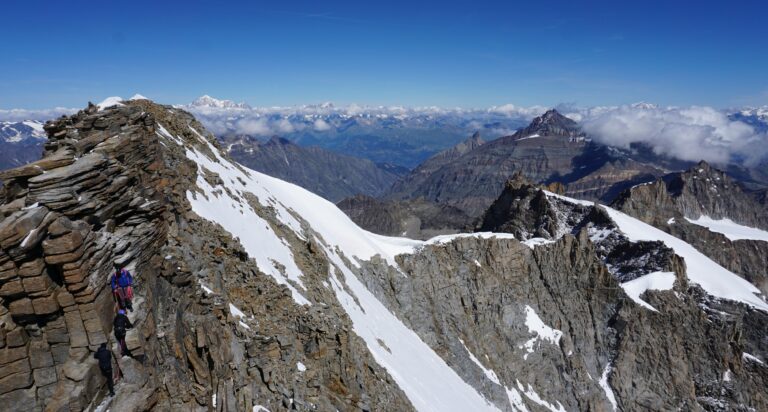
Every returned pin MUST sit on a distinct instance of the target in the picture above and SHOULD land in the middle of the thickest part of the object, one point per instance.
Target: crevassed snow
(652, 281)
(713, 278)
(730, 229)
(542, 330)
(110, 101)
(531, 394)
(606, 387)
(489, 373)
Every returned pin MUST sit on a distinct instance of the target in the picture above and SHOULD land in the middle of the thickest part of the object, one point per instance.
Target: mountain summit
(551, 123)
(210, 102)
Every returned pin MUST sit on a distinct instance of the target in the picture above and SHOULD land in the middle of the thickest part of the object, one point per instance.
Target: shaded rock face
(551, 149)
(700, 191)
(461, 307)
(332, 175)
(414, 219)
(704, 191)
(111, 188)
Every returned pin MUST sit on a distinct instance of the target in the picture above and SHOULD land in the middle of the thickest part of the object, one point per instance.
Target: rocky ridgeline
(91, 201)
(704, 191)
(110, 188)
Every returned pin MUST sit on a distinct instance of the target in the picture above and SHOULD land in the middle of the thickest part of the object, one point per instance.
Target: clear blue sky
(469, 54)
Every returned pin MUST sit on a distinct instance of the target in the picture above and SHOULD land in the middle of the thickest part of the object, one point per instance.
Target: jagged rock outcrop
(700, 191)
(671, 202)
(332, 175)
(414, 219)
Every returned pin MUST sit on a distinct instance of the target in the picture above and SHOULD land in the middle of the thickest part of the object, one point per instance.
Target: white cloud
(692, 133)
(284, 126)
(321, 125)
(251, 126)
(17, 115)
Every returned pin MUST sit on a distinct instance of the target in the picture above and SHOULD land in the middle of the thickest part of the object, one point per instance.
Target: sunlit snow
(731, 229)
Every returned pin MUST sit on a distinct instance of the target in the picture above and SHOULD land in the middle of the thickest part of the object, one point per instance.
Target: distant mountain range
(20, 143)
(552, 149)
(331, 175)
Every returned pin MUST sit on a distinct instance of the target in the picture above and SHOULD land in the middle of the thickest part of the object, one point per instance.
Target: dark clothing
(121, 326)
(110, 381)
(105, 364)
(105, 358)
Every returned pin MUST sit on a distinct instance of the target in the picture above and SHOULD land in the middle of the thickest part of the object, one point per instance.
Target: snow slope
(429, 383)
(713, 278)
(731, 229)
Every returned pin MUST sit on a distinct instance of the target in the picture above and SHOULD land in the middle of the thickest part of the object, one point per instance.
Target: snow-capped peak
(14, 132)
(208, 101)
(110, 101)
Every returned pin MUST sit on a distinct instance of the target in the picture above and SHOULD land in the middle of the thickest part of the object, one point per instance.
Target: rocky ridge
(414, 219)
(331, 175)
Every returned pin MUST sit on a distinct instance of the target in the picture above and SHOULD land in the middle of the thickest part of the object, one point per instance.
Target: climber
(122, 287)
(105, 364)
(121, 325)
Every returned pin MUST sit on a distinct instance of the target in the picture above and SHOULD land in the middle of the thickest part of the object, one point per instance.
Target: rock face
(670, 202)
(415, 219)
(551, 149)
(331, 175)
(253, 294)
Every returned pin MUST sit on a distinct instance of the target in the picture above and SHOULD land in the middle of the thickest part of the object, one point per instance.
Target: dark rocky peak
(702, 190)
(551, 123)
(278, 141)
(476, 139)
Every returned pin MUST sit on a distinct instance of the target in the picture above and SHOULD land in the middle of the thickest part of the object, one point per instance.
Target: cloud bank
(17, 115)
(692, 133)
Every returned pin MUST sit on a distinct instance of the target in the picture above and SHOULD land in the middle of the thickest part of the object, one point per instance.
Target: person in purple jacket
(122, 287)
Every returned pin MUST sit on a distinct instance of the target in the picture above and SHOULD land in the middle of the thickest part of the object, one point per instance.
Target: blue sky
(468, 54)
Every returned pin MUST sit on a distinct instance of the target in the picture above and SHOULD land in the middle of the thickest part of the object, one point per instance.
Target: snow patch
(515, 400)
(236, 312)
(445, 239)
(138, 97)
(489, 373)
(300, 367)
(713, 278)
(543, 331)
(752, 358)
(652, 281)
(110, 101)
(731, 229)
(537, 241)
(607, 388)
(531, 394)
